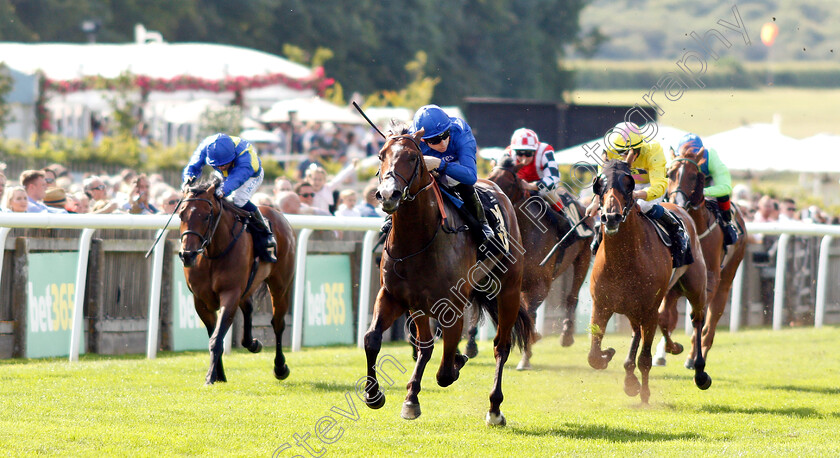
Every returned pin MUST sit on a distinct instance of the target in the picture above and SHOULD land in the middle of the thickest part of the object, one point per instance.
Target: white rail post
(364, 286)
(154, 295)
(79, 303)
(300, 286)
(540, 323)
(822, 281)
(4, 232)
(779, 284)
(737, 295)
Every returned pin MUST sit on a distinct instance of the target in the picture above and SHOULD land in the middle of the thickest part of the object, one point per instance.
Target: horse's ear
(671, 154)
(702, 157)
(597, 185)
(419, 135)
(604, 156)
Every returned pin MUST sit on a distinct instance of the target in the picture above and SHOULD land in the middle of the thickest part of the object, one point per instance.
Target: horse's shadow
(799, 412)
(329, 386)
(608, 433)
(805, 389)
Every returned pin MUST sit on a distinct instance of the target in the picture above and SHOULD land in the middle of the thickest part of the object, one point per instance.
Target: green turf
(774, 393)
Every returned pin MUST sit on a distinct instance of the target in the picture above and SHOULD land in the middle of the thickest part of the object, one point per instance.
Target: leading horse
(685, 189)
(437, 275)
(632, 272)
(539, 235)
(223, 271)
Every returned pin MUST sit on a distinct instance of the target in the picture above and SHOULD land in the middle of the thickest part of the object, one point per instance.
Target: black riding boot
(679, 239)
(596, 239)
(261, 224)
(473, 203)
(730, 235)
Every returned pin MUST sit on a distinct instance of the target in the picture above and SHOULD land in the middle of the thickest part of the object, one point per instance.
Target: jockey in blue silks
(237, 162)
(449, 148)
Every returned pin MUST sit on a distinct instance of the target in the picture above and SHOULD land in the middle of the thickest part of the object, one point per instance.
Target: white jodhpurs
(243, 194)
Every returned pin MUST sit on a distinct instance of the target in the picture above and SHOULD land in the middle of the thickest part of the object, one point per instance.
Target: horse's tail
(523, 328)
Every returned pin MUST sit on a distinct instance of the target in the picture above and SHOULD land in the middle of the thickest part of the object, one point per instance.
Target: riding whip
(359, 109)
(164, 227)
(557, 245)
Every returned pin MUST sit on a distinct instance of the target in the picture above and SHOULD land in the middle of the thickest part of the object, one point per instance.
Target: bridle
(406, 195)
(211, 228)
(628, 205)
(694, 206)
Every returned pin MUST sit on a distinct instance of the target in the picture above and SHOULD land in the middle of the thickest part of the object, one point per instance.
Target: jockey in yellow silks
(648, 160)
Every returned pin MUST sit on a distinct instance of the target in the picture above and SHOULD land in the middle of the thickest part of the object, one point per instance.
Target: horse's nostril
(377, 195)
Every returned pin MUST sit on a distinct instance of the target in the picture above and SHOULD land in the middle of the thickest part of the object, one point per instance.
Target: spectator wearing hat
(95, 189)
(56, 198)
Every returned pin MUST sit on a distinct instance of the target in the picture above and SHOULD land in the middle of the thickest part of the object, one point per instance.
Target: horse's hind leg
(228, 301)
(534, 300)
(424, 343)
(599, 359)
(668, 317)
(450, 363)
(713, 315)
(509, 303)
(386, 309)
(472, 346)
(248, 341)
(279, 288)
(631, 382)
(208, 317)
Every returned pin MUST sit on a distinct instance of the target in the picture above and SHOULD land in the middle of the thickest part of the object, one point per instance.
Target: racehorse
(431, 274)
(685, 189)
(223, 271)
(538, 237)
(632, 273)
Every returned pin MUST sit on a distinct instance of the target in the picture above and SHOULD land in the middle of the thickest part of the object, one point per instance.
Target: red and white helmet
(523, 138)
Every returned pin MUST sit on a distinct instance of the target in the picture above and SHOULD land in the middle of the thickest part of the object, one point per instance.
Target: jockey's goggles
(437, 138)
(524, 153)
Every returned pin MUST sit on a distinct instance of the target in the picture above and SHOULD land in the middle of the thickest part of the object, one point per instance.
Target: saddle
(259, 237)
(497, 246)
(680, 256)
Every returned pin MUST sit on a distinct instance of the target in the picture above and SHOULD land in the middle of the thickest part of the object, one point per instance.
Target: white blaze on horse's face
(387, 188)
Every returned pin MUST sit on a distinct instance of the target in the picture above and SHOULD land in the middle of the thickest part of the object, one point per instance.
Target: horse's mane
(507, 162)
(203, 186)
(398, 128)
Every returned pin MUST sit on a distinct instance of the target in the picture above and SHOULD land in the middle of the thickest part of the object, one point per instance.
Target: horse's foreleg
(668, 317)
(713, 315)
(385, 310)
(248, 341)
(631, 382)
(472, 347)
(701, 378)
(645, 357)
(424, 343)
(508, 303)
(599, 359)
(228, 301)
(580, 269)
(534, 299)
(450, 363)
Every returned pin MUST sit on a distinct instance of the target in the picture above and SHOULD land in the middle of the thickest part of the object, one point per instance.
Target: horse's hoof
(495, 420)
(255, 347)
(568, 340)
(676, 349)
(472, 349)
(659, 362)
(689, 364)
(410, 410)
(283, 374)
(632, 386)
(523, 365)
(461, 361)
(377, 401)
(703, 381)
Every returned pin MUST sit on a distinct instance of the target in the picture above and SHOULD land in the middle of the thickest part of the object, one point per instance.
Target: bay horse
(222, 271)
(432, 271)
(686, 181)
(632, 272)
(539, 235)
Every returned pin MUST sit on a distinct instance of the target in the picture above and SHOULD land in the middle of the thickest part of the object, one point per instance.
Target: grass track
(774, 393)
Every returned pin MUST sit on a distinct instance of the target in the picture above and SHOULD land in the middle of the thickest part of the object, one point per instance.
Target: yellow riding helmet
(625, 136)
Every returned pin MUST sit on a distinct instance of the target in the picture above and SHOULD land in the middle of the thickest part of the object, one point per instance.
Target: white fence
(306, 224)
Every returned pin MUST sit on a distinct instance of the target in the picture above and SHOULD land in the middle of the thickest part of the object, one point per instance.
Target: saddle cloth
(499, 244)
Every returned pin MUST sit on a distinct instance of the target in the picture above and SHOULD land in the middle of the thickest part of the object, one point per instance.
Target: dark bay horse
(431, 271)
(685, 189)
(539, 235)
(631, 275)
(220, 268)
